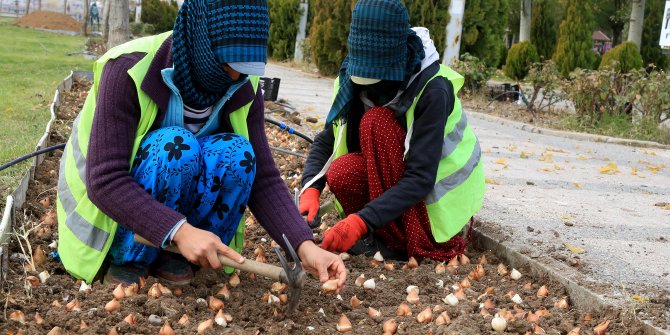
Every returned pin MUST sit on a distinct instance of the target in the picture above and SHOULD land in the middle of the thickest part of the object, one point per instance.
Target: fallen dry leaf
(491, 181)
(610, 168)
(501, 161)
(639, 298)
(575, 249)
(576, 184)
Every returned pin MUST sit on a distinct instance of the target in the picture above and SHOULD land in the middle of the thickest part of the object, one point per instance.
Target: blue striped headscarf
(381, 45)
(209, 33)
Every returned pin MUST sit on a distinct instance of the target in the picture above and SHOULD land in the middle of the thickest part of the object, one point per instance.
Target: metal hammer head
(294, 276)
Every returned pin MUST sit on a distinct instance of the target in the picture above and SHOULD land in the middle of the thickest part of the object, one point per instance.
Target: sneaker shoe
(124, 274)
(371, 245)
(172, 268)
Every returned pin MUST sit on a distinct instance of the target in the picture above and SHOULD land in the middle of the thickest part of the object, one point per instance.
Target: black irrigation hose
(32, 154)
(62, 145)
(290, 130)
(504, 93)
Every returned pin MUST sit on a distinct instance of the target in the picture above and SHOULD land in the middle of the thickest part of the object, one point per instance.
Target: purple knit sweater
(110, 186)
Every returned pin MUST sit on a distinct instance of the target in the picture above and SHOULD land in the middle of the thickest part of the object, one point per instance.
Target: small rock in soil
(155, 320)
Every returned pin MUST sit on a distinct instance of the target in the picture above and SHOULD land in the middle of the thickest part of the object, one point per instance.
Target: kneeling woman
(397, 151)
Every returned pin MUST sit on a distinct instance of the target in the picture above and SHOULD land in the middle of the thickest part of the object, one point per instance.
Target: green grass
(32, 63)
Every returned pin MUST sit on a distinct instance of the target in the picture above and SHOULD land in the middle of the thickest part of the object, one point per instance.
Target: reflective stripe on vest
(85, 232)
(459, 188)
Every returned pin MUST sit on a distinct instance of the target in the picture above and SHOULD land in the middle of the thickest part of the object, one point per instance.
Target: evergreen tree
(484, 23)
(623, 58)
(519, 60)
(328, 34)
(651, 51)
(159, 14)
(432, 14)
(544, 26)
(514, 21)
(284, 21)
(611, 17)
(574, 49)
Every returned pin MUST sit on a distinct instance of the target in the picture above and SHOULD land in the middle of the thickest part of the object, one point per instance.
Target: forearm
(270, 201)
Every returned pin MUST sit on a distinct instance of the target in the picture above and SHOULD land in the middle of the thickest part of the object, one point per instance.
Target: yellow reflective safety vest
(459, 186)
(85, 233)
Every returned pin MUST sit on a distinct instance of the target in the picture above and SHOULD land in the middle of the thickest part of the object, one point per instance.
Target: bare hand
(201, 247)
(322, 263)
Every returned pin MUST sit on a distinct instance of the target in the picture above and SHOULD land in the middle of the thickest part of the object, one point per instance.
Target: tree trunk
(636, 23)
(84, 25)
(524, 27)
(64, 7)
(105, 22)
(298, 56)
(118, 23)
(27, 7)
(453, 31)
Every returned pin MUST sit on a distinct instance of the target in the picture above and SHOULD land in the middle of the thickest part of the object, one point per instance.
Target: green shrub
(328, 34)
(159, 14)
(574, 49)
(519, 59)
(623, 58)
(546, 15)
(137, 28)
(545, 81)
(284, 23)
(475, 72)
(432, 14)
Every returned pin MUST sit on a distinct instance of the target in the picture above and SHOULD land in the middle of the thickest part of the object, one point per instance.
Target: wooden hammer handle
(262, 269)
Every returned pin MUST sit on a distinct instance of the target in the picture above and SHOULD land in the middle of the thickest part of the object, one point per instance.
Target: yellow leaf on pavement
(575, 249)
(577, 185)
(556, 167)
(610, 168)
(650, 153)
(548, 169)
(639, 298)
(633, 171)
(491, 181)
(582, 157)
(525, 154)
(667, 207)
(501, 160)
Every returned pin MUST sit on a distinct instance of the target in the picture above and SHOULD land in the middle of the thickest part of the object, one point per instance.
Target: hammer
(293, 277)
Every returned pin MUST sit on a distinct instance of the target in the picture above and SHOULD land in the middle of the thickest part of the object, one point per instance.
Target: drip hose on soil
(290, 130)
(32, 154)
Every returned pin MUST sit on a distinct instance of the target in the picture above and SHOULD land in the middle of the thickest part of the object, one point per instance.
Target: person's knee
(176, 145)
(344, 169)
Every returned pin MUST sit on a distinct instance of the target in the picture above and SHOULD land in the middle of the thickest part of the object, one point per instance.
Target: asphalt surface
(546, 193)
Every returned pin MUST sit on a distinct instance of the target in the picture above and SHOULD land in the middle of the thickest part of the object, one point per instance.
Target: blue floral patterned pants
(207, 179)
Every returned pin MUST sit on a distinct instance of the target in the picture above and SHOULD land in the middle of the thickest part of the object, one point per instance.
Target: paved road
(546, 191)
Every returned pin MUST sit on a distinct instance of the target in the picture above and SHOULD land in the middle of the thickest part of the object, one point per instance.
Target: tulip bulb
(84, 288)
(360, 280)
(34, 281)
(502, 269)
(112, 306)
(483, 260)
(465, 283)
(450, 299)
(345, 256)
(443, 319)
(183, 320)
(498, 323)
(587, 317)
(562, 303)
(527, 286)
(464, 259)
(403, 310)
(412, 263)
(220, 319)
(515, 274)
(118, 292)
(112, 331)
(224, 292)
(82, 325)
(440, 268)
(378, 257)
(166, 329)
(39, 257)
(413, 297)
(215, 304)
(538, 330)
(517, 299)
(542, 292)
(389, 327)
(55, 331)
(154, 291)
(454, 262)
(38, 318)
(278, 287)
(389, 266)
(355, 302)
(460, 295)
(373, 313)
(411, 288)
(343, 325)
(369, 284)
(234, 280)
(203, 326)
(575, 331)
(164, 290)
(488, 304)
(130, 319)
(425, 316)
(73, 306)
(329, 286)
(17, 316)
(601, 329)
(43, 276)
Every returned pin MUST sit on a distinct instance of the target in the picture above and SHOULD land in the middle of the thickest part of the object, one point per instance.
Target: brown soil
(49, 20)
(317, 313)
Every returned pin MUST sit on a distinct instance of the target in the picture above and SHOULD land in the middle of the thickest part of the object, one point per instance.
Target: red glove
(344, 234)
(309, 203)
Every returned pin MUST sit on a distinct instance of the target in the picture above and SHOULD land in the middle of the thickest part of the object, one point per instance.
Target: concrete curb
(579, 295)
(568, 134)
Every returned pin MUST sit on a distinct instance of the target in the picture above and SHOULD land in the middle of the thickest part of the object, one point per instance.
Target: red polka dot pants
(359, 177)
